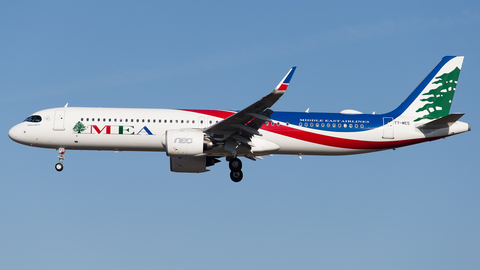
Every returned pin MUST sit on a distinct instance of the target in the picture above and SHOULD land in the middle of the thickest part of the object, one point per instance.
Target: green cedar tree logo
(440, 98)
(79, 127)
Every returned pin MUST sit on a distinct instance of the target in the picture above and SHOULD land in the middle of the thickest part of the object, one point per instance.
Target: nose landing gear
(61, 157)
(236, 173)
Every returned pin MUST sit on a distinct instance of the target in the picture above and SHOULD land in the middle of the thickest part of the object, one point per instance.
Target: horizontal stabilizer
(443, 122)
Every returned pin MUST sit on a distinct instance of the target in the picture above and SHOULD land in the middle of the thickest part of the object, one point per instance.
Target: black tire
(235, 164)
(236, 176)
(59, 167)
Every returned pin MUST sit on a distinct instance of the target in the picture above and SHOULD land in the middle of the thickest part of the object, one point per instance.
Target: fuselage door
(388, 128)
(59, 121)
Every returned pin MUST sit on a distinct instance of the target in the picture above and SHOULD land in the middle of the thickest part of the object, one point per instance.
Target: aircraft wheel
(59, 167)
(236, 176)
(235, 165)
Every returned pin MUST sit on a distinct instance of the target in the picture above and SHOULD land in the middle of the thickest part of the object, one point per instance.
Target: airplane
(196, 139)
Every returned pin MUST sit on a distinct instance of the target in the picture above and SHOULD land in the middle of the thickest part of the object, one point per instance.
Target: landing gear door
(59, 121)
(388, 128)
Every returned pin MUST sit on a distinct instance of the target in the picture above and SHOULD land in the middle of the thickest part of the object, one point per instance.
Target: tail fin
(433, 97)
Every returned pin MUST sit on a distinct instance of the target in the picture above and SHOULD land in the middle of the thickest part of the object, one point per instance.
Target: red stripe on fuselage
(339, 142)
(214, 113)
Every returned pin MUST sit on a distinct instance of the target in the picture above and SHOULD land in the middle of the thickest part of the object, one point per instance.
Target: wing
(241, 127)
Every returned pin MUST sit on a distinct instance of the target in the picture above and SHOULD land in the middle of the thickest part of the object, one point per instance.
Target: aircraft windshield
(33, 118)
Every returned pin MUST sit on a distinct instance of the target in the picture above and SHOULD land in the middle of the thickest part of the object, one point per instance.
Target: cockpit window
(33, 118)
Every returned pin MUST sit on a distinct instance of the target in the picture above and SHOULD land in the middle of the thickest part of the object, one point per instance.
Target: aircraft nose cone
(14, 133)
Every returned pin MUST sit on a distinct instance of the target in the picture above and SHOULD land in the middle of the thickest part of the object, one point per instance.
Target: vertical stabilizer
(433, 97)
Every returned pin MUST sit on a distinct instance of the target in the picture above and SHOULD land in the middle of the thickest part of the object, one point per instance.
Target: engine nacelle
(185, 142)
(188, 164)
(191, 164)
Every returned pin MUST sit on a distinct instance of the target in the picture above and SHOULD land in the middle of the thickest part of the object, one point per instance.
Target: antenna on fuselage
(66, 105)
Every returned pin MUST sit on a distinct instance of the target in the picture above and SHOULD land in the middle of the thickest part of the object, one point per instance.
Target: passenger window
(81, 119)
(193, 121)
(334, 125)
(109, 119)
(311, 124)
(328, 125)
(361, 126)
(316, 124)
(323, 125)
(300, 124)
(181, 121)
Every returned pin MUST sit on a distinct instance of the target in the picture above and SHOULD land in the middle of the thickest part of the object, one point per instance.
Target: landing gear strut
(61, 157)
(236, 173)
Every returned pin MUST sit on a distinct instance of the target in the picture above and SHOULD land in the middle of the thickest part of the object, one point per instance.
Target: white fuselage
(122, 129)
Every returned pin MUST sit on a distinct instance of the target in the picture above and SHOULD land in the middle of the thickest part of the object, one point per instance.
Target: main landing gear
(236, 173)
(61, 157)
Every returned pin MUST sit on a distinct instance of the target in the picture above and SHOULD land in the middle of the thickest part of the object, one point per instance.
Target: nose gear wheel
(61, 157)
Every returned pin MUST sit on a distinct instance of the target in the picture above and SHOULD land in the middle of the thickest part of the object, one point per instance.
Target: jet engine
(191, 164)
(186, 142)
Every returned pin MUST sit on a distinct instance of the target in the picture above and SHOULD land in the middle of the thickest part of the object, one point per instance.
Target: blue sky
(412, 208)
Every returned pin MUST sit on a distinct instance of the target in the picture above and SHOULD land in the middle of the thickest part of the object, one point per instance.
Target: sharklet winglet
(283, 85)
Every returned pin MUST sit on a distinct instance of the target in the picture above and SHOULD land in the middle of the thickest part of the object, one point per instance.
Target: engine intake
(186, 142)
